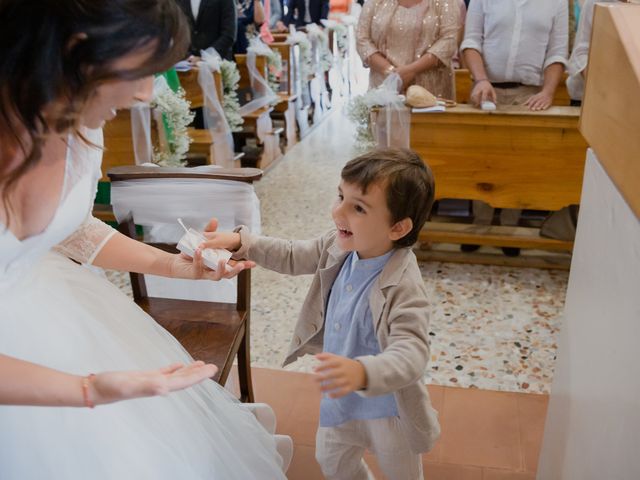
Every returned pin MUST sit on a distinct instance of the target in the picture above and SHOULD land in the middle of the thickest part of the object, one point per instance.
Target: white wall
(592, 429)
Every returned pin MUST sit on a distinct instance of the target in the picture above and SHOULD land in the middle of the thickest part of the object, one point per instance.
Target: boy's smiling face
(364, 221)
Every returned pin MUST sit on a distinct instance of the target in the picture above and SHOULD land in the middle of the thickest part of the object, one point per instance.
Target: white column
(592, 429)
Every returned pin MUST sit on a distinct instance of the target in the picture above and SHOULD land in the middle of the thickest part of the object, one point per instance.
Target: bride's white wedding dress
(62, 315)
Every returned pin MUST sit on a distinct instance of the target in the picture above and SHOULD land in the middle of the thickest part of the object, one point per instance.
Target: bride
(66, 66)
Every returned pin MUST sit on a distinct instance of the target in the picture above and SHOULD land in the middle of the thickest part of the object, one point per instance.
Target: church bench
(511, 158)
(290, 60)
(201, 142)
(264, 157)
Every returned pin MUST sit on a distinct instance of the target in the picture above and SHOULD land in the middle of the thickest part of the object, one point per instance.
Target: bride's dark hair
(61, 50)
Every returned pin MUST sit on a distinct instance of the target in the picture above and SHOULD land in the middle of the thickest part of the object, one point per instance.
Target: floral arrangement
(359, 109)
(359, 112)
(175, 111)
(274, 70)
(230, 102)
(321, 40)
(326, 58)
(341, 33)
(305, 58)
(301, 39)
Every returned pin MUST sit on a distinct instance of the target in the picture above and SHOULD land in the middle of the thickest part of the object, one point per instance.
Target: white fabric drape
(156, 204)
(392, 127)
(213, 112)
(263, 95)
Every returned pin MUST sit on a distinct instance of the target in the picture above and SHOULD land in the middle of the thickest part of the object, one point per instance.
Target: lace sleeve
(85, 243)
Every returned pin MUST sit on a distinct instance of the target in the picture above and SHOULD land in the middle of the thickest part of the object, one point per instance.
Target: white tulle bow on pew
(213, 112)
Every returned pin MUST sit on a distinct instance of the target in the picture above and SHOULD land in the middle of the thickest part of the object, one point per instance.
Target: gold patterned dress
(404, 34)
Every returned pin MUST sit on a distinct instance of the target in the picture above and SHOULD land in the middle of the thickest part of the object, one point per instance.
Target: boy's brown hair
(407, 180)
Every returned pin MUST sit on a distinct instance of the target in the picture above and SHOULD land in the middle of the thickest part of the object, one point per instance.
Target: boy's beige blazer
(399, 308)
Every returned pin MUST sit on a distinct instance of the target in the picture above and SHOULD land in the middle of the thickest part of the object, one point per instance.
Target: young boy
(367, 312)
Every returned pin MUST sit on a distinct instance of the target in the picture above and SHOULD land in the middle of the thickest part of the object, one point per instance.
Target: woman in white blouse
(516, 50)
(578, 61)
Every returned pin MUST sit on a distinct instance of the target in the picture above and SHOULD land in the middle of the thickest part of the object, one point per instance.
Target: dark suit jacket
(318, 9)
(215, 26)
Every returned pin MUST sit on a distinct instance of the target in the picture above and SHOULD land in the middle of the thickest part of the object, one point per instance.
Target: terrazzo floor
(491, 327)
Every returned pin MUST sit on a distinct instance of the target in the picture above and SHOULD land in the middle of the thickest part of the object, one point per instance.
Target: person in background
(577, 66)
(337, 7)
(416, 39)
(458, 61)
(304, 12)
(277, 14)
(250, 16)
(516, 53)
(213, 24)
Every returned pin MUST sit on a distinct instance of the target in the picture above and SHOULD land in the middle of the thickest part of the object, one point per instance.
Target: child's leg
(339, 451)
(391, 448)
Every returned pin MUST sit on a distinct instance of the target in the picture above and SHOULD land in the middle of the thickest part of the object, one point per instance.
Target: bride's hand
(109, 387)
(183, 266)
(195, 269)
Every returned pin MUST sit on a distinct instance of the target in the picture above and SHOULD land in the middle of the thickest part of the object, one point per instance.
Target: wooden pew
(118, 143)
(263, 159)
(291, 55)
(189, 82)
(280, 36)
(289, 93)
(202, 143)
(464, 84)
(511, 158)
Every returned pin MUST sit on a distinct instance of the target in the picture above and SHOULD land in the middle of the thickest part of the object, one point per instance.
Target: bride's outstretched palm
(109, 387)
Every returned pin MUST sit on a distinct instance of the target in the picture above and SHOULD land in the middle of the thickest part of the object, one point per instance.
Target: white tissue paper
(210, 256)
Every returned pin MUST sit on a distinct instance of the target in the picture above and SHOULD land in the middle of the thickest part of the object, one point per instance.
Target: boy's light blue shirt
(349, 332)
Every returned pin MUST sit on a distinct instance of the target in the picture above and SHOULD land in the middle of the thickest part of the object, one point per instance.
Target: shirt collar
(375, 263)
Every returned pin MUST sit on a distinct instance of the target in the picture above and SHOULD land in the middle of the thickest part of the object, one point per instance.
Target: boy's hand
(215, 239)
(339, 376)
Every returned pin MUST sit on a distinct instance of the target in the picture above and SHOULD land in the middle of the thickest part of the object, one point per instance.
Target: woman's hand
(482, 91)
(109, 387)
(407, 75)
(539, 101)
(184, 266)
(339, 376)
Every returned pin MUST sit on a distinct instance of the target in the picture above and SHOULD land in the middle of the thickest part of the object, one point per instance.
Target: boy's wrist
(362, 381)
(237, 242)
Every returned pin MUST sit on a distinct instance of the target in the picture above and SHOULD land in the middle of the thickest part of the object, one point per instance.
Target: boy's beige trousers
(339, 450)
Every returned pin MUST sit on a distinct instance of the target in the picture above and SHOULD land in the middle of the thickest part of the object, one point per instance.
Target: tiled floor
(491, 327)
(486, 435)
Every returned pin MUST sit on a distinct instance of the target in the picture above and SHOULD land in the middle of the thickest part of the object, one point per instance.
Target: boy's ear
(401, 229)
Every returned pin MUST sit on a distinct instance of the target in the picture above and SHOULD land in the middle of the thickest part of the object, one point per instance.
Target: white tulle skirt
(66, 317)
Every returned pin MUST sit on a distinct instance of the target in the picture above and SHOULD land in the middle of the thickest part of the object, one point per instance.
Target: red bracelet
(85, 390)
